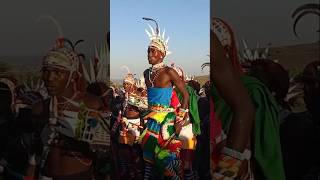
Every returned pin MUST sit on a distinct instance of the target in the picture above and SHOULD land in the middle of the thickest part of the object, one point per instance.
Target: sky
(265, 22)
(186, 23)
(24, 39)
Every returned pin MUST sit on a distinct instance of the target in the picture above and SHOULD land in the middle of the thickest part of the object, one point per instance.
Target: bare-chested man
(159, 143)
(70, 114)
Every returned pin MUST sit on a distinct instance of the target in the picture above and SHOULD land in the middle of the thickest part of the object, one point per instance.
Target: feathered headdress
(251, 55)
(157, 39)
(191, 78)
(63, 55)
(99, 66)
(129, 78)
(36, 86)
(135, 98)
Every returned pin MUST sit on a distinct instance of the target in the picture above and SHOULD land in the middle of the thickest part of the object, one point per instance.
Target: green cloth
(267, 148)
(193, 108)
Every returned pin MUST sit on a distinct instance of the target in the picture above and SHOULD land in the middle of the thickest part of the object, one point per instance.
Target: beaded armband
(229, 163)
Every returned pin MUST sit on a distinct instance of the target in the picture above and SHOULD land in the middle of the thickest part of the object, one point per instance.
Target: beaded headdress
(157, 39)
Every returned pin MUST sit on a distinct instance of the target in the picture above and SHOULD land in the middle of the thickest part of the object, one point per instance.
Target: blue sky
(186, 23)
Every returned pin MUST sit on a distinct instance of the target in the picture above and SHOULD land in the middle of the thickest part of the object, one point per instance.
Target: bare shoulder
(171, 71)
(92, 102)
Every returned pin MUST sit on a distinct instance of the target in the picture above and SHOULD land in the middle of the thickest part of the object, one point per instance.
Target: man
(159, 144)
(131, 126)
(69, 115)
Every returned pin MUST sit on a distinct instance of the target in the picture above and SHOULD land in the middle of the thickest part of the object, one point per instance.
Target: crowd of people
(242, 124)
(73, 125)
(56, 127)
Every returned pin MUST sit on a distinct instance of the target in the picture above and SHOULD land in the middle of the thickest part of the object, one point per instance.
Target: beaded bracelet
(233, 153)
(228, 166)
(183, 110)
(236, 154)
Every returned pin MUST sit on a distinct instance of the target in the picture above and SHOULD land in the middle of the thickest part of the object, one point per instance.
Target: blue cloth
(153, 126)
(159, 96)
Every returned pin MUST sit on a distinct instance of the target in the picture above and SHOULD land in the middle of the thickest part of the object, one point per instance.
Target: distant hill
(202, 79)
(295, 57)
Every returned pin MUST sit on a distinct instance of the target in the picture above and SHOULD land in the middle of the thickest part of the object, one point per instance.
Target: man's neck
(157, 66)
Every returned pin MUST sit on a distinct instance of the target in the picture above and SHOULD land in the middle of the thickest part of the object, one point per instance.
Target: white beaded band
(236, 154)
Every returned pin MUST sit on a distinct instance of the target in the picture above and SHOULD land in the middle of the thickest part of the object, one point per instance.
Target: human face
(55, 80)
(128, 87)
(154, 56)
(131, 112)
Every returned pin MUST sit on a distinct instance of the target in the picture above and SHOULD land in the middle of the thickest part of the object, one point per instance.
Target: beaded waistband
(161, 108)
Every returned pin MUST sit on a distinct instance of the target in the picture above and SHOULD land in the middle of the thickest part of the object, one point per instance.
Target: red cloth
(174, 100)
(215, 123)
(172, 146)
(215, 131)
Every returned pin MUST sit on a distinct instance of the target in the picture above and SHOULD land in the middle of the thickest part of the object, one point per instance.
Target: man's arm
(235, 95)
(174, 77)
(181, 87)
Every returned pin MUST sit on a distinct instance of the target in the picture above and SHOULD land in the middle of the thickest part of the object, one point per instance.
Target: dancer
(159, 140)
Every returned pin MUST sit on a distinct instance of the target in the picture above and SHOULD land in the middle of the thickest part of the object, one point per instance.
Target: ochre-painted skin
(228, 83)
(56, 80)
(167, 77)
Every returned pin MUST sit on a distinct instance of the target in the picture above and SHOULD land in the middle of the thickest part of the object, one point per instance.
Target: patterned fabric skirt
(160, 145)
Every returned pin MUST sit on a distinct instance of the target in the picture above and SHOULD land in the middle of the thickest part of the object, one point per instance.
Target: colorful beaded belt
(161, 108)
